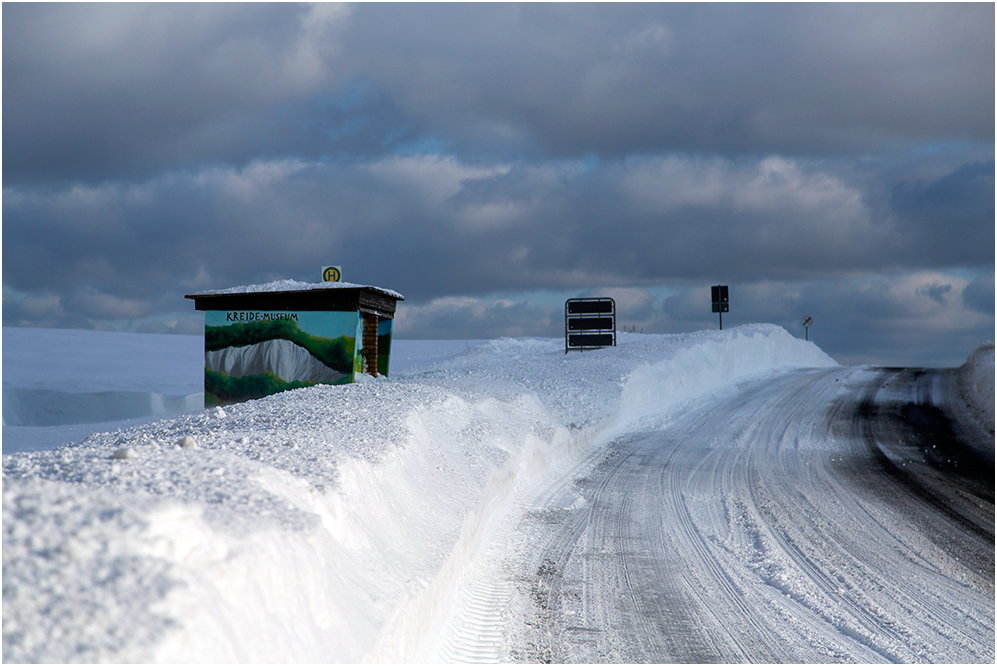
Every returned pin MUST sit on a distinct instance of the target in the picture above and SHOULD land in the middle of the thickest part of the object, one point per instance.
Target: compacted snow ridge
(294, 285)
(976, 385)
(365, 522)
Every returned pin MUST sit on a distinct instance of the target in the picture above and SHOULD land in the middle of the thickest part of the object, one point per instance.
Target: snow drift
(334, 523)
(976, 385)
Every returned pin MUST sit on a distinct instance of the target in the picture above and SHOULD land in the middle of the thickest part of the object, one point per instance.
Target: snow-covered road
(797, 521)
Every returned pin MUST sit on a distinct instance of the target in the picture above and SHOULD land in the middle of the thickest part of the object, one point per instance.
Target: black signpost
(807, 321)
(721, 301)
(589, 323)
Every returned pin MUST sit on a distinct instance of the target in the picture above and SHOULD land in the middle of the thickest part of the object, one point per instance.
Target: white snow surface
(77, 361)
(61, 385)
(283, 358)
(294, 285)
(332, 523)
(976, 385)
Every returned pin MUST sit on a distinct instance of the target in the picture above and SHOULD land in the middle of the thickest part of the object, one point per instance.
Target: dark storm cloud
(979, 294)
(440, 226)
(598, 78)
(945, 219)
(95, 91)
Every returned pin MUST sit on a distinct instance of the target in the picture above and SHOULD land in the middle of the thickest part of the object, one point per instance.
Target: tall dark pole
(721, 297)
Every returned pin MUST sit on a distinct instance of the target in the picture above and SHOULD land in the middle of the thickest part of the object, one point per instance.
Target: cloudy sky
(491, 160)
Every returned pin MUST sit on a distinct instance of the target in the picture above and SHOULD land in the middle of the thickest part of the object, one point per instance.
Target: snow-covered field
(60, 385)
(336, 523)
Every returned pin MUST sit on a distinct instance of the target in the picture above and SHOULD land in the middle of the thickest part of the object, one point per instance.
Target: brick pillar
(370, 343)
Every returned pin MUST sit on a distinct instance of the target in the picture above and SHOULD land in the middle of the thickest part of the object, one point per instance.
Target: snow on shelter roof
(294, 295)
(290, 286)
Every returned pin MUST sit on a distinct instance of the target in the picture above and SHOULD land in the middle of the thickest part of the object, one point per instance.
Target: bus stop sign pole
(807, 321)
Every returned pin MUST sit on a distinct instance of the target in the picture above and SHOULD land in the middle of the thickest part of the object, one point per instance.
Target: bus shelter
(264, 339)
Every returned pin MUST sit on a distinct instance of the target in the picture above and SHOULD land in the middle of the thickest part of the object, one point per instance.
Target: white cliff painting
(251, 354)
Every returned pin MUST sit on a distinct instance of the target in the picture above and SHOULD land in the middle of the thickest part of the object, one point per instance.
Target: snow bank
(976, 385)
(294, 285)
(334, 523)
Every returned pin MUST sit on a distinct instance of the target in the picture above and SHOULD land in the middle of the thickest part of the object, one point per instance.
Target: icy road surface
(816, 516)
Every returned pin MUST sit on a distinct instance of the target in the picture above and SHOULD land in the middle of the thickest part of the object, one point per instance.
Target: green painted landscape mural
(252, 354)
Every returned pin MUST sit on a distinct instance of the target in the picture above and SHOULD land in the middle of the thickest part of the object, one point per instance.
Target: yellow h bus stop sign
(332, 274)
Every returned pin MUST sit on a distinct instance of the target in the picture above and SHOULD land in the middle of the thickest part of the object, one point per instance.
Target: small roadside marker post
(807, 320)
(721, 301)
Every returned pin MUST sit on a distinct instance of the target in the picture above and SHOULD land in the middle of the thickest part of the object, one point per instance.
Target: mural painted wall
(252, 354)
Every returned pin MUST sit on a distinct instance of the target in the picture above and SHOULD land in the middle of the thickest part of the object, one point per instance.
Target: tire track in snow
(747, 642)
(636, 566)
(782, 477)
(854, 605)
(754, 529)
(951, 528)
